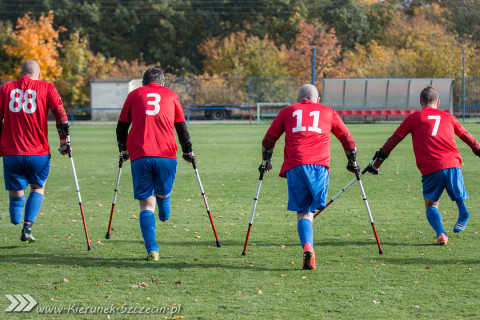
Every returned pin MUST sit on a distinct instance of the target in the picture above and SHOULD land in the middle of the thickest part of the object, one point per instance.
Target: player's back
(24, 106)
(308, 127)
(153, 111)
(433, 137)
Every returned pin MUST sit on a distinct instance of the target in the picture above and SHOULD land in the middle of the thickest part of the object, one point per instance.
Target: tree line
(84, 39)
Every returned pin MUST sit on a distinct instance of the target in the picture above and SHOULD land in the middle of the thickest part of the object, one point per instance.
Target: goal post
(269, 109)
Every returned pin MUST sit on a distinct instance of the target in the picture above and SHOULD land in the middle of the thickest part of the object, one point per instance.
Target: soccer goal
(267, 110)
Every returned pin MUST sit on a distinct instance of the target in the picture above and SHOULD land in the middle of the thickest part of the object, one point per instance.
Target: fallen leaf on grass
(376, 302)
(383, 293)
(129, 293)
(143, 285)
(56, 287)
(55, 298)
(259, 292)
(178, 282)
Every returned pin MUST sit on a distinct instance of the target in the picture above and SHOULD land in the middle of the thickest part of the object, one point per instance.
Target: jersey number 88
(29, 98)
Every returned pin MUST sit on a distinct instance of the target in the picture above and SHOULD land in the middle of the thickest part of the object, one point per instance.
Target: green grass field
(196, 280)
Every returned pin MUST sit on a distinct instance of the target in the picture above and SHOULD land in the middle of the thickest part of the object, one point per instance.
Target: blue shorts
(307, 188)
(450, 179)
(20, 171)
(153, 175)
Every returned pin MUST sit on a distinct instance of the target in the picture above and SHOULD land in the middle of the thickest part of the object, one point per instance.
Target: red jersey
(24, 108)
(433, 137)
(152, 110)
(307, 128)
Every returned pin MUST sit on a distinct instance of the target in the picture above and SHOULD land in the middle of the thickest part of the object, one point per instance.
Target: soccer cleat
(153, 256)
(27, 236)
(309, 261)
(458, 227)
(442, 239)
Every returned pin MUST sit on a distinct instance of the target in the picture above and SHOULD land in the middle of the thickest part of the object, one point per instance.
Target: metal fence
(75, 93)
(471, 97)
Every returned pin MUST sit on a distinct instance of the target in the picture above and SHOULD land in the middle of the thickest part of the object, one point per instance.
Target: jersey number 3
(299, 127)
(155, 103)
(29, 98)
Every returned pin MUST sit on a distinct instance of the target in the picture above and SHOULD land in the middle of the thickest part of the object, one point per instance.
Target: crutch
(120, 163)
(344, 189)
(380, 251)
(260, 179)
(194, 164)
(89, 248)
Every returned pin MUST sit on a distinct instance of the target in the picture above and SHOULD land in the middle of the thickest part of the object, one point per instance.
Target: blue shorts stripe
(307, 188)
(450, 179)
(153, 175)
(20, 171)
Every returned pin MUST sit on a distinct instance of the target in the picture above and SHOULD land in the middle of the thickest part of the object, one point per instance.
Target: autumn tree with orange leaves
(36, 40)
(328, 52)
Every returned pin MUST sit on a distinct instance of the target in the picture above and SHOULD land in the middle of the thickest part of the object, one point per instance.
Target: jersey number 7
(437, 124)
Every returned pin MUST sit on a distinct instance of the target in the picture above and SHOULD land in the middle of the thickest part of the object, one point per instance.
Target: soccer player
(433, 137)
(153, 111)
(307, 126)
(24, 106)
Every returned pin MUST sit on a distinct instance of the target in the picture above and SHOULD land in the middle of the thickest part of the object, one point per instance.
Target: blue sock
(435, 219)
(305, 231)
(463, 216)
(163, 208)
(34, 203)
(16, 209)
(147, 224)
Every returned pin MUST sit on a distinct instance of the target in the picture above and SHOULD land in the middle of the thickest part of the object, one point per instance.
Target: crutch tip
(244, 253)
(89, 248)
(380, 251)
(107, 236)
(219, 244)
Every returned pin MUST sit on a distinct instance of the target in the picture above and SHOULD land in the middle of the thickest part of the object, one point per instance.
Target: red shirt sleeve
(179, 116)
(406, 126)
(341, 132)
(277, 128)
(459, 129)
(125, 114)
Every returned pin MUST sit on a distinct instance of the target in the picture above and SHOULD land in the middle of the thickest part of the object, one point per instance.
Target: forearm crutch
(194, 164)
(89, 248)
(120, 163)
(380, 251)
(343, 190)
(260, 179)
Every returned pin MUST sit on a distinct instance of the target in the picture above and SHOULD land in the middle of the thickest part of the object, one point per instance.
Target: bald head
(308, 92)
(31, 69)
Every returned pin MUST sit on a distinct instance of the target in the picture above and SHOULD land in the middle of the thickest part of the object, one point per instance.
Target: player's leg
(164, 171)
(148, 227)
(143, 189)
(433, 186)
(15, 182)
(37, 170)
(456, 191)
(307, 191)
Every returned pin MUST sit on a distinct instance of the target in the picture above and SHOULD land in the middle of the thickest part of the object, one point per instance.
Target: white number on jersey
(437, 124)
(29, 98)
(299, 127)
(155, 103)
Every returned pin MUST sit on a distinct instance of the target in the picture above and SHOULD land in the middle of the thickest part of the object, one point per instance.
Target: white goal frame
(269, 104)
